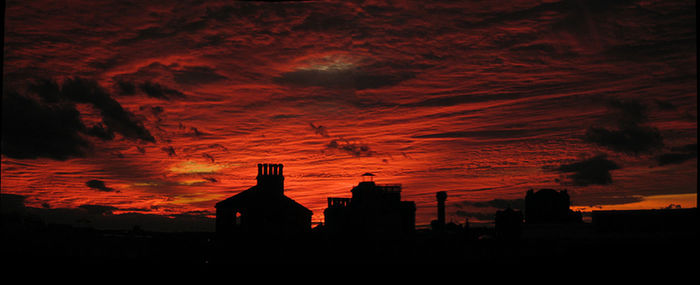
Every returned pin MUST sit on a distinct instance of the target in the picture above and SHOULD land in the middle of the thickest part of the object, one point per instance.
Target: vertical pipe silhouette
(441, 197)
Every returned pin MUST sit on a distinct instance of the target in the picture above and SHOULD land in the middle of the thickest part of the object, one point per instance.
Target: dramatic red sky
(166, 107)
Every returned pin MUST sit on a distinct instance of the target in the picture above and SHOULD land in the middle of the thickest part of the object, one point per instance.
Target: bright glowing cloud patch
(193, 167)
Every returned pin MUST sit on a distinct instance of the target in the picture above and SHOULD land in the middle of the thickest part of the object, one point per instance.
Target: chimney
(441, 197)
(270, 179)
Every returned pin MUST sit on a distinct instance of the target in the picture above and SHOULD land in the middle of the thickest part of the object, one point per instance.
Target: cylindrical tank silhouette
(441, 197)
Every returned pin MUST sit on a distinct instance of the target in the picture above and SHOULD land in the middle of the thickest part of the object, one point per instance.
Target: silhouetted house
(373, 209)
(549, 206)
(263, 208)
(508, 223)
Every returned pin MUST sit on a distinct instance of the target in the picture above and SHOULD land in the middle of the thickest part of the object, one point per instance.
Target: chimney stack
(270, 178)
(265, 169)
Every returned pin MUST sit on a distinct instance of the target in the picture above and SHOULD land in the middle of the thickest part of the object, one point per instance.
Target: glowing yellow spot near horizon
(193, 167)
(195, 198)
(145, 184)
(191, 182)
(651, 202)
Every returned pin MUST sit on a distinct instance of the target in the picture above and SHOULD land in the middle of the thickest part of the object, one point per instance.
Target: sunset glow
(166, 107)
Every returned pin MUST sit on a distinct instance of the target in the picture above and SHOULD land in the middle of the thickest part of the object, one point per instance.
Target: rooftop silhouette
(372, 209)
(262, 225)
(549, 206)
(263, 208)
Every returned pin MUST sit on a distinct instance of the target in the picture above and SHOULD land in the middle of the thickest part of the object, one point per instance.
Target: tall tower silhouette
(441, 197)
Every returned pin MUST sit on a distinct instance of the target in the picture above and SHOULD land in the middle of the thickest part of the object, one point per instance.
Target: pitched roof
(254, 197)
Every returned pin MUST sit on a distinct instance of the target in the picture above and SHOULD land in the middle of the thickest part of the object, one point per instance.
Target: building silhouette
(263, 208)
(549, 206)
(508, 223)
(373, 209)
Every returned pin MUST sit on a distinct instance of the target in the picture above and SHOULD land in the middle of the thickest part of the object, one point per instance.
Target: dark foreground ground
(30, 244)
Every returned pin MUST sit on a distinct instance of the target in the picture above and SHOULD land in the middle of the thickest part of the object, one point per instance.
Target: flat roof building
(373, 209)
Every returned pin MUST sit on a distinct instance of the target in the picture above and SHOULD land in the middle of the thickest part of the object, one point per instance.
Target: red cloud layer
(481, 100)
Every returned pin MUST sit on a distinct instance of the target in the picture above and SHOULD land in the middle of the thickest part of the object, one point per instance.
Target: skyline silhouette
(259, 226)
(547, 206)
(265, 203)
(148, 118)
